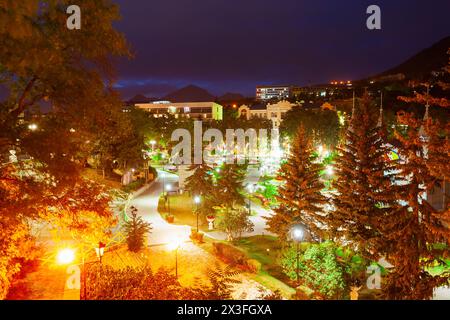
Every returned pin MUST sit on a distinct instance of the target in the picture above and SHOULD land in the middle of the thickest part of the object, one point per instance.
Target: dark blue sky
(233, 45)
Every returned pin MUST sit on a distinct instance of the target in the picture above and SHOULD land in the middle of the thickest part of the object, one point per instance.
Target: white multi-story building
(192, 110)
(274, 112)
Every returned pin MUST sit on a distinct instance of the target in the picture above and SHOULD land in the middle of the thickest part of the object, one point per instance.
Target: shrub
(136, 230)
(230, 253)
(235, 223)
(236, 256)
(319, 269)
(196, 236)
(253, 265)
(106, 283)
(133, 186)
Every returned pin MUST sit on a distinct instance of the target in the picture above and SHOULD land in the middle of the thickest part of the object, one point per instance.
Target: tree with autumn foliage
(300, 196)
(364, 185)
(418, 234)
(42, 63)
(426, 98)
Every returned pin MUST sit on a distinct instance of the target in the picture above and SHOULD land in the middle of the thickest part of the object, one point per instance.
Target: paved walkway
(147, 205)
(164, 232)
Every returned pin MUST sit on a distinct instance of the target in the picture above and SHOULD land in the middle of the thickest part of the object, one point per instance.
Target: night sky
(233, 45)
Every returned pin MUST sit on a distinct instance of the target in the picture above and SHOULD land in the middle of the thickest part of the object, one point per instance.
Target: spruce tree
(229, 186)
(300, 198)
(201, 183)
(364, 185)
(201, 180)
(136, 230)
(419, 234)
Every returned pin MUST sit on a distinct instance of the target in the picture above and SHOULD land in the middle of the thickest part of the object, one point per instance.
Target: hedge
(236, 256)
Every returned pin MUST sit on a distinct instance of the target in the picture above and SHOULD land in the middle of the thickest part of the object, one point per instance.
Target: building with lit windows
(273, 92)
(274, 112)
(190, 110)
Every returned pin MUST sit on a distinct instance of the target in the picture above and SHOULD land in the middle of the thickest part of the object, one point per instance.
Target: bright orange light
(174, 244)
(65, 256)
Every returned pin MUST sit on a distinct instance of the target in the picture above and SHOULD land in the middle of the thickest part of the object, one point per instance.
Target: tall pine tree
(419, 234)
(300, 198)
(364, 188)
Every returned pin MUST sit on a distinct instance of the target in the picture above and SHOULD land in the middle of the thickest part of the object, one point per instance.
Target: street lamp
(330, 170)
(251, 189)
(65, 256)
(152, 143)
(168, 189)
(174, 246)
(33, 126)
(297, 234)
(197, 201)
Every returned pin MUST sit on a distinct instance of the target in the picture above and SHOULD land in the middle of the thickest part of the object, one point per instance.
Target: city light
(33, 126)
(251, 187)
(330, 170)
(320, 149)
(174, 244)
(297, 232)
(65, 256)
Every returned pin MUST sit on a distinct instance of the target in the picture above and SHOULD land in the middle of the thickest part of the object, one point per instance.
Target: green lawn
(266, 250)
(182, 208)
(265, 278)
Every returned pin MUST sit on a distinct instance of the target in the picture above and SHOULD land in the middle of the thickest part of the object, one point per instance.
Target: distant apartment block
(191, 110)
(273, 92)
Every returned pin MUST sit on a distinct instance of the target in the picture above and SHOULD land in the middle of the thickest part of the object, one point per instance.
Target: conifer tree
(201, 183)
(418, 233)
(364, 185)
(229, 186)
(300, 198)
(201, 180)
(136, 230)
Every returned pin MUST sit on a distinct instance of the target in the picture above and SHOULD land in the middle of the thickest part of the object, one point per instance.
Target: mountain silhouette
(421, 65)
(190, 93)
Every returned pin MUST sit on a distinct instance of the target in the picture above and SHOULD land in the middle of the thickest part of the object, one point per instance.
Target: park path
(163, 232)
(147, 204)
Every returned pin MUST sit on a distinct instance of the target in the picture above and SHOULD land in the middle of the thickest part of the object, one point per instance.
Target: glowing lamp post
(298, 234)
(197, 201)
(251, 188)
(168, 189)
(65, 256)
(330, 170)
(174, 246)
